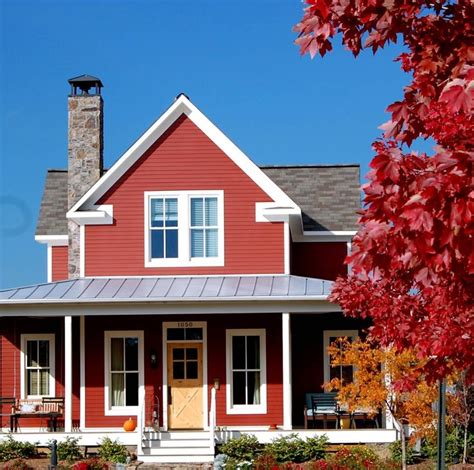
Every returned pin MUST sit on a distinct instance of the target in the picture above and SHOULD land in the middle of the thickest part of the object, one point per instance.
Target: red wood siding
(59, 260)
(152, 326)
(10, 349)
(307, 353)
(184, 159)
(320, 260)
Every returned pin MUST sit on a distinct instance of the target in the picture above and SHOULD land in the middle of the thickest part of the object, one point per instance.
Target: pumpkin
(129, 425)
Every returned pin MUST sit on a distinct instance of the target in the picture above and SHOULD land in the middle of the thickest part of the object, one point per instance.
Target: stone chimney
(85, 152)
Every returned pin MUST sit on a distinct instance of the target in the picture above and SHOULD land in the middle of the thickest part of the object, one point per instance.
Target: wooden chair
(10, 402)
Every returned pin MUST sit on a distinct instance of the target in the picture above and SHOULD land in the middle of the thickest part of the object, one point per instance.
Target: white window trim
(122, 410)
(246, 409)
(52, 362)
(329, 334)
(184, 242)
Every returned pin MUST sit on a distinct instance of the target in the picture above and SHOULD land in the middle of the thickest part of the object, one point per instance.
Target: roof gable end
(182, 105)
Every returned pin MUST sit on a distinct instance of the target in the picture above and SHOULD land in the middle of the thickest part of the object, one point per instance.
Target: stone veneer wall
(85, 161)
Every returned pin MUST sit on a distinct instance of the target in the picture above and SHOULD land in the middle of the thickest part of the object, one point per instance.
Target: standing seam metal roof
(196, 288)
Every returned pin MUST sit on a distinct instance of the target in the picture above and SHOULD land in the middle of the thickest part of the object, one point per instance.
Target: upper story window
(164, 227)
(184, 228)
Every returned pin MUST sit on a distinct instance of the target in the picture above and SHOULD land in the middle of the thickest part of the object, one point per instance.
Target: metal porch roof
(171, 289)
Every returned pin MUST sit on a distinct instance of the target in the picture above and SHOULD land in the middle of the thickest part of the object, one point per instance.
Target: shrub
(68, 450)
(293, 448)
(265, 462)
(112, 451)
(93, 463)
(11, 449)
(242, 449)
(395, 449)
(354, 458)
(17, 464)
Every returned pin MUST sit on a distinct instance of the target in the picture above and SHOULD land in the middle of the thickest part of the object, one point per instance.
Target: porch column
(67, 373)
(82, 372)
(286, 337)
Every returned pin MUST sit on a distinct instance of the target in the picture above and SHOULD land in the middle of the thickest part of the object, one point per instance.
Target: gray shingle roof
(329, 196)
(52, 218)
(192, 288)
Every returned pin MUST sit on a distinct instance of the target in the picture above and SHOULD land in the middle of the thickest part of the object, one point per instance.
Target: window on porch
(124, 370)
(246, 371)
(344, 373)
(37, 365)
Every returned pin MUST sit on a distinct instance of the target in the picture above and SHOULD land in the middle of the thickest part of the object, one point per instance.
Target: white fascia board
(166, 300)
(181, 105)
(325, 236)
(52, 240)
(99, 215)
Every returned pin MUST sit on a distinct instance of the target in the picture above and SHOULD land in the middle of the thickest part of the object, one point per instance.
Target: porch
(234, 366)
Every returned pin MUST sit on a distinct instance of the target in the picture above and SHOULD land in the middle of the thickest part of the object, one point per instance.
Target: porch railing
(212, 420)
(141, 422)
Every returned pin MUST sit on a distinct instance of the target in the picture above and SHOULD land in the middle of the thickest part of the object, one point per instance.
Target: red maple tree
(413, 256)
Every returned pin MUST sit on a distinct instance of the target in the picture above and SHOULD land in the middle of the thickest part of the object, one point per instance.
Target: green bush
(112, 451)
(242, 449)
(68, 450)
(293, 448)
(454, 446)
(11, 449)
(395, 449)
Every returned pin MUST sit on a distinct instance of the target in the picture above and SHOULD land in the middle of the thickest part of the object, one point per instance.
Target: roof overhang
(148, 295)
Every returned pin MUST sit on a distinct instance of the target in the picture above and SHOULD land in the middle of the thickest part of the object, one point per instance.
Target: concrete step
(175, 435)
(171, 459)
(174, 443)
(178, 450)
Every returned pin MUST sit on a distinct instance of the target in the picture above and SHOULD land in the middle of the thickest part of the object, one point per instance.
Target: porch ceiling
(196, 289)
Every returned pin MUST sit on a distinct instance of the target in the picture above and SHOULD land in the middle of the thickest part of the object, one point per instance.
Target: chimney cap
(84, 83)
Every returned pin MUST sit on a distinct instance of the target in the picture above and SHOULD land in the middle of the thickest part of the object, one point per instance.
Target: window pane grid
(38, 368)
(248, 377)
(124, 353)
(164, 227)
(204, 227)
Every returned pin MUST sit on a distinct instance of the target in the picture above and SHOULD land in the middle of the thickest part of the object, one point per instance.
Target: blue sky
(235, 60)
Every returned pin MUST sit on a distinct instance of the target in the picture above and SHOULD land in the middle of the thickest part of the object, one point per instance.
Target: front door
(185, 386)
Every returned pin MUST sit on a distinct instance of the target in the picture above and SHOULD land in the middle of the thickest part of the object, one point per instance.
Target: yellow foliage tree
(385, 379)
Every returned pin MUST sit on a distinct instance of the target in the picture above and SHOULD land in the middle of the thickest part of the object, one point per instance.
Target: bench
(321, 406)
(50, 408)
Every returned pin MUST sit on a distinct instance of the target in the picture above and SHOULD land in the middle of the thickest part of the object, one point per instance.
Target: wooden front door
(185, 386)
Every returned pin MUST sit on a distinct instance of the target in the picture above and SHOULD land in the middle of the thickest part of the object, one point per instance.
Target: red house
(186, 288)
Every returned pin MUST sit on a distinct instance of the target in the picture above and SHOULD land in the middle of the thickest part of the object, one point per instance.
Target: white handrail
(212, 420)
(140, 421)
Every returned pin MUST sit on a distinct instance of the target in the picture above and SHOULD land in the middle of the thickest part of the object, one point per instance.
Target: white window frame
(353, 334)
(122, 410)
(184, 230)
(246, 409)
(52, 362)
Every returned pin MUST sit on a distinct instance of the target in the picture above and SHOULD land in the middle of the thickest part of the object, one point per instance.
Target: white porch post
(82, 372)
(286, 337)
(67, 373)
